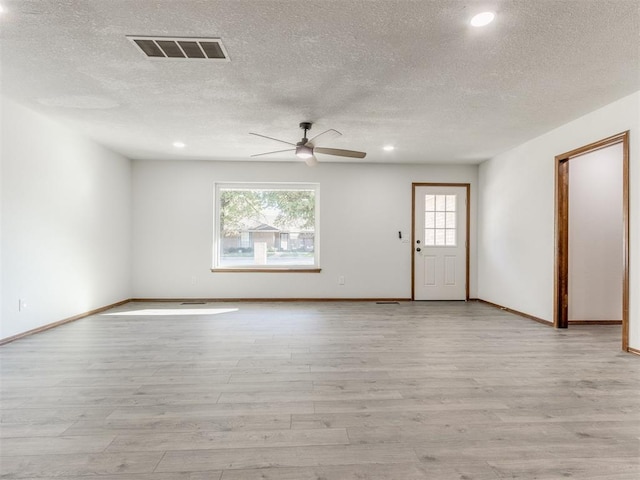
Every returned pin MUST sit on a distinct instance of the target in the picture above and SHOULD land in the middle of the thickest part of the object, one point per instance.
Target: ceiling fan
(305, 149)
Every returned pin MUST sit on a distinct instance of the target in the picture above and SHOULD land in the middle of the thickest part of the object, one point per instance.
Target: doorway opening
(563, 293)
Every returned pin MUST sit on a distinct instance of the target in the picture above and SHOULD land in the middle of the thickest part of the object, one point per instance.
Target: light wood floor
(319, 391)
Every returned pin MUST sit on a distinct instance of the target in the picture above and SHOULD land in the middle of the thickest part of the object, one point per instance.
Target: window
(245, 239)
(266, 227)
(440, 221)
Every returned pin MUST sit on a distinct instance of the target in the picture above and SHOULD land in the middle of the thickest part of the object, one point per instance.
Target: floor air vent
(164, 48)
(387, 303)
(193, 303)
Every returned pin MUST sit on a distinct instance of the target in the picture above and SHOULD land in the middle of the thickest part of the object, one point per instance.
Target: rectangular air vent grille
(159, 48)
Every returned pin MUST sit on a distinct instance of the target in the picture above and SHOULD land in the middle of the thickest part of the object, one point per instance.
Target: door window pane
(430, 220)
(429, 203)
(430, 236)
(451, 220)
(450, 237)
(451, 203)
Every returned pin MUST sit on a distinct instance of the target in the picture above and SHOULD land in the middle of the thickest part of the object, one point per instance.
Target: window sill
(266, 270)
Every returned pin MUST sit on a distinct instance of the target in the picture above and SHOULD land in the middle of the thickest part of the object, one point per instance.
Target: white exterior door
(440, 243)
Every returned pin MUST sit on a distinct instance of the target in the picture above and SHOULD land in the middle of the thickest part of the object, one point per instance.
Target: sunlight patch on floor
(175, 311)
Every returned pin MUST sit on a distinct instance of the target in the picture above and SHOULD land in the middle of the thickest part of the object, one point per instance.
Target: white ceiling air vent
(178, 48)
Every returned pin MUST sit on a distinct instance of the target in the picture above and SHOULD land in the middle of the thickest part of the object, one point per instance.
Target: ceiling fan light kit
(305, 149)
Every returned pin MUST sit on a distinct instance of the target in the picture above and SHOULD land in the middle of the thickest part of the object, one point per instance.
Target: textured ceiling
(409, 73)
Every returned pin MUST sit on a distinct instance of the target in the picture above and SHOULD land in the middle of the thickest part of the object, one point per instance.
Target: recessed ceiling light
(388, 148)
(1, 9)
(482, 19)
(179, 144)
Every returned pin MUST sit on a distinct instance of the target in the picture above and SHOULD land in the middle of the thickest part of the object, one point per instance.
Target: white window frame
(217, 244)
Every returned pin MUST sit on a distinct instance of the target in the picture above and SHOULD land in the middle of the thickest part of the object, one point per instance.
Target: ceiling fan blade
(312, 161)
(277, 151)
(271, 138)
(327, 134)
(339, 152)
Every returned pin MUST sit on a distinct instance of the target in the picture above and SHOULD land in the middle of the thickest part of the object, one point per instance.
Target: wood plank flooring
(318, 391)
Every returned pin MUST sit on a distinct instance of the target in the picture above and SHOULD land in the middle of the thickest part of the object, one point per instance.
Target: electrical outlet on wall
(22, 304)
(341, 280)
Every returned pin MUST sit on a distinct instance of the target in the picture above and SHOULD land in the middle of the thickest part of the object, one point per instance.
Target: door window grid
(440, 221)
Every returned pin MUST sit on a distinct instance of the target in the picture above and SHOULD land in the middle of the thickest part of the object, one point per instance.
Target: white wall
(516, 213)
(66, 222)
(595, 235)
(362, 207)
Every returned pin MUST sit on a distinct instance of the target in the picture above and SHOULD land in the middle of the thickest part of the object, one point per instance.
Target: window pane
(430, 238)
(266, 227)
(450, 238)
(429, 203)
(429, 220)
(440, 219)
(451, 203)
(245, 239)
(440, 241)
(284, 241)
(451, 219)
(440, 203)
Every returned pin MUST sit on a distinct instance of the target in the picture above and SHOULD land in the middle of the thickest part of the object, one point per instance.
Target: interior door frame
(414, 185)
(561, 287)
